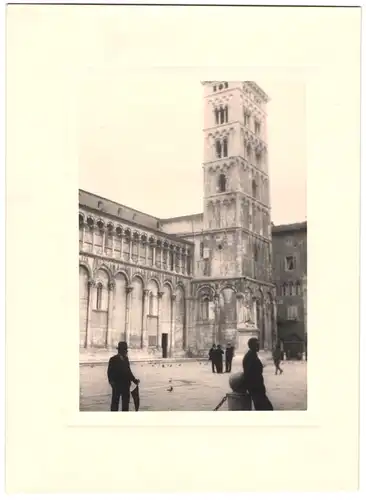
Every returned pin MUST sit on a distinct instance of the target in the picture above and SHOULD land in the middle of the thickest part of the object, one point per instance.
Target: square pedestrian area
(195, 387)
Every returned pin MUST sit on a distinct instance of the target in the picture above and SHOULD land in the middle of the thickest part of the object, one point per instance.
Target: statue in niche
(241, 310)
(248, 309)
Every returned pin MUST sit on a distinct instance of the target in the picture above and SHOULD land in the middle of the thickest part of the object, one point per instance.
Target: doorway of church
(164, 344)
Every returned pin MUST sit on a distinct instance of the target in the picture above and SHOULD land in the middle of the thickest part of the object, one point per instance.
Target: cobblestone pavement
(195, 387)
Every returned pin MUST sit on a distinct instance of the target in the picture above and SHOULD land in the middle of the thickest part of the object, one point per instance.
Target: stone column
(145, 308)
(274, 322)
(160, 296)
(190, 341)
(268, 326)
(91, 288)
(254, 310)
(112, 234)
(82, 235)
(138, 241)
(128, 309)
(168, 259)
(111, 287)
(103, 240)
(130, 249)
(172, 327)
(92, 235)
(176, 261)
(121, 253)
(184, 261)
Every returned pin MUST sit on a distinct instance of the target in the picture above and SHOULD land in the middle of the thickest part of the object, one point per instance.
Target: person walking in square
(229, 354)
(277, 359)
(211, 357)
(253, 377)
(120, 377)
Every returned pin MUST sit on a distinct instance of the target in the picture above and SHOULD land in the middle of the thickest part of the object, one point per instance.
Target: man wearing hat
(253, 377)
(120, 377)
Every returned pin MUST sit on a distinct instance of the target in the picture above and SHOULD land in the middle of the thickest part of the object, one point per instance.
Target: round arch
(138, 276)
(169, 284)
(86, 266)
(104, 268)
(124, 274)
(205, 290)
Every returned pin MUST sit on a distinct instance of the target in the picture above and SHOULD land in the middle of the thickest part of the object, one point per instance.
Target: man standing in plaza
(253, 377)
(229, 354)
(120, 377)
(277, 359)
(211, 357)
(219, 359)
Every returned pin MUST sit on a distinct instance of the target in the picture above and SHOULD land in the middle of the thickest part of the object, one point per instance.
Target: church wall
(226, 307)
(133, 286)
(189, 224)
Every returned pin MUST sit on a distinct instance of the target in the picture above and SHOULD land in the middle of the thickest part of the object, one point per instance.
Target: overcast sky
(141, 140)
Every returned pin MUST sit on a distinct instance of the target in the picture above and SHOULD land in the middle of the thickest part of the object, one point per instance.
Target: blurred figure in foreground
(253, 377)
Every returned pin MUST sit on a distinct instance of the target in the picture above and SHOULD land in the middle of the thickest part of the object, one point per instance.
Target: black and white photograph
(182, 201)
(199, 312)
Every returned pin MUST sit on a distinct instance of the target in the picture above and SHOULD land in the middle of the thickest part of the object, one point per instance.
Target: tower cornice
(231, 160)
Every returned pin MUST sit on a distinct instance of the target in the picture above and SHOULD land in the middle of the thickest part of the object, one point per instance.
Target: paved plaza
(195, 387)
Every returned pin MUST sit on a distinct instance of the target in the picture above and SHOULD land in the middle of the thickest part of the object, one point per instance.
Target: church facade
(172, 287)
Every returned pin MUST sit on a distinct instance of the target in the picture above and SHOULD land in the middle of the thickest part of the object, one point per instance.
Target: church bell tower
(236, 239)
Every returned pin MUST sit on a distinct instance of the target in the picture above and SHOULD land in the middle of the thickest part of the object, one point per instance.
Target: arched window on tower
(222, 183)
(249, 153)
(254, 188)
(222, 115)
(256, 252)
(225, 147)
(99, 296)
(221, 86)
(218, 148)
(226, 113)
(214, 88)
(298, 288)
(226, 85)
(216, 116)
(258, 159)
(201, 249)
(205, 304)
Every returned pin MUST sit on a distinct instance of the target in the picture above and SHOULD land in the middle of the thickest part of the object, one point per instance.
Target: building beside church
(290, 278)
(172, 287)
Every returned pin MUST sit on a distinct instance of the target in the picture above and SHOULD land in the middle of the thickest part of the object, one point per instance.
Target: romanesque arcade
(224, 311)
(131, 306)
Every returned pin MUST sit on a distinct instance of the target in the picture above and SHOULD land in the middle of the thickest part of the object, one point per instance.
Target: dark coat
(119, 372)
(229, 353)
(211, 354)
(218, 355)
(253, 373)
(277, 354)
